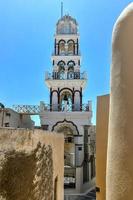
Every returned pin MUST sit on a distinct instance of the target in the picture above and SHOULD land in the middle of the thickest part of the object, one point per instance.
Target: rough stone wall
(28, 165)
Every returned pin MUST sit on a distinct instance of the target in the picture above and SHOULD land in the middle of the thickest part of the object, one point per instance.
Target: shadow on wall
(27, 176)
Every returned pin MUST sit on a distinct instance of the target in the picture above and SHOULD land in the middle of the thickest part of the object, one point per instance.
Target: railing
(65, 76)
(66, 108)
(27, 109)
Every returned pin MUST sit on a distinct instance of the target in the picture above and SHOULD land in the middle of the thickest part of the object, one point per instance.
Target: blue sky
(26, 43)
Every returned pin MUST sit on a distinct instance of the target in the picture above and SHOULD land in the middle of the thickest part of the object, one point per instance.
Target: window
(7, 124)
(80, 148)
(61, 47)
(8, 114)
(69, 140)
(45, 127)
(71, 64)
(71, 47)
(61, 65)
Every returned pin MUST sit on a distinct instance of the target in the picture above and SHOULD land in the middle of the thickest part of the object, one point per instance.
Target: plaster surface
(101, 144)
(31, 165)
(120, 140)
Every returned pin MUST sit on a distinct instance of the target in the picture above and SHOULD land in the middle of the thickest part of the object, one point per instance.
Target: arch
(70, 74)
(66, 122)
(71, 46)
(70, 41)
(61, 69)
(77, 91)
(66, 100)
(61, 41)
(61, 46)
(70, 62)
(54, 91)
(61, 61)
(66, 89)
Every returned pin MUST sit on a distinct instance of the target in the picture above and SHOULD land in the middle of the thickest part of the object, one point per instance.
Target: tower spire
(61, 9)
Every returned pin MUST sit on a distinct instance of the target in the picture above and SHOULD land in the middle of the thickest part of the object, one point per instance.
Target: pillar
(119, 178)
(101, 145)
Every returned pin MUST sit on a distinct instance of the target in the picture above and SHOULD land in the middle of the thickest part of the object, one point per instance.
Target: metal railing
(36, 109)
(65, 76)
(66, 108)
(27, 109)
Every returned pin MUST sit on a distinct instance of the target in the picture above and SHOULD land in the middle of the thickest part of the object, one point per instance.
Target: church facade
(66, 112)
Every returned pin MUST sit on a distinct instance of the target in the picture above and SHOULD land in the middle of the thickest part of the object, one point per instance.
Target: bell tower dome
(67, 25)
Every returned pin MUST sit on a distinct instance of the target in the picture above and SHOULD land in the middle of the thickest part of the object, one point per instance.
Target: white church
(66, 113)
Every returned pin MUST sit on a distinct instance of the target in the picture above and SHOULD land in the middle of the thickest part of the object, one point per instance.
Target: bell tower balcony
(65, 76)
(67, 79)
(66, 108)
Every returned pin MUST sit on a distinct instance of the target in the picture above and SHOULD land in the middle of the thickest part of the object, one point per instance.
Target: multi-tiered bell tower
(66, 112)
(66, 81)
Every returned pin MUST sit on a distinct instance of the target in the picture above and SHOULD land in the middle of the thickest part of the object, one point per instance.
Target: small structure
(11, 118)
(31, 165)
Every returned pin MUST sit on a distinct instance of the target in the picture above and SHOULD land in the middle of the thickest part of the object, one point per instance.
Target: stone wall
(31, 165)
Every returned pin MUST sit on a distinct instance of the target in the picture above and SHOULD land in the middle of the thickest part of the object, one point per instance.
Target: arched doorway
(69, 130)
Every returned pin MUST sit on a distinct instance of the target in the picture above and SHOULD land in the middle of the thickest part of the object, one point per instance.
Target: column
(120, 140)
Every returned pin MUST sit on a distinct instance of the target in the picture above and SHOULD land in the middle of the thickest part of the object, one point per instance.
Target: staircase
(89, 196)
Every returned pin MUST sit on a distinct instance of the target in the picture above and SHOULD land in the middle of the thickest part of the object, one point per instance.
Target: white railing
(66, 108)
(65, 76)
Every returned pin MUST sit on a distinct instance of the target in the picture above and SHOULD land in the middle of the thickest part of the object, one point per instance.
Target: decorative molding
(69, 122)
(66, 89)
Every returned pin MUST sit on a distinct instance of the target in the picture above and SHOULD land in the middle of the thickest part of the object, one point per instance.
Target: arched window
(61, 47)
(71, 47)
(61, 70)
(71, 69)
(66, 101)
(71, 64)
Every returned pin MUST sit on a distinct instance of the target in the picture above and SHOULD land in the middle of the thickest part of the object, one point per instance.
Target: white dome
(67, 25)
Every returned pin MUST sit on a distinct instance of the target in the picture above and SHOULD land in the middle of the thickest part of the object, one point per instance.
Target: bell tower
(66, 82)
(66, 113)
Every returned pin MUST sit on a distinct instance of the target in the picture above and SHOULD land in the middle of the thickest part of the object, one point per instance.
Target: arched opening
(70, 65)
(77, 101)
(61, 47)
(66, 100)
(61, 70)
(69, 131)
(71, 47)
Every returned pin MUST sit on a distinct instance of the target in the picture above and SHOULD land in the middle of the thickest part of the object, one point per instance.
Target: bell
(65, 98)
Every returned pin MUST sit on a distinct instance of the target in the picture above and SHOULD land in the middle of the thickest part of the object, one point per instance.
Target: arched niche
(66, 100)
(77, 100)
(61, 46)
(55, 101)
(71, 47)
(61, 69)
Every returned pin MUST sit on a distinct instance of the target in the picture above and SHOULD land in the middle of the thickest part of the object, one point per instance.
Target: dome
(67, 25)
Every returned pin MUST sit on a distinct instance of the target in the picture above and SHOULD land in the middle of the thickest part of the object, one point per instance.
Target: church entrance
(69, 153)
